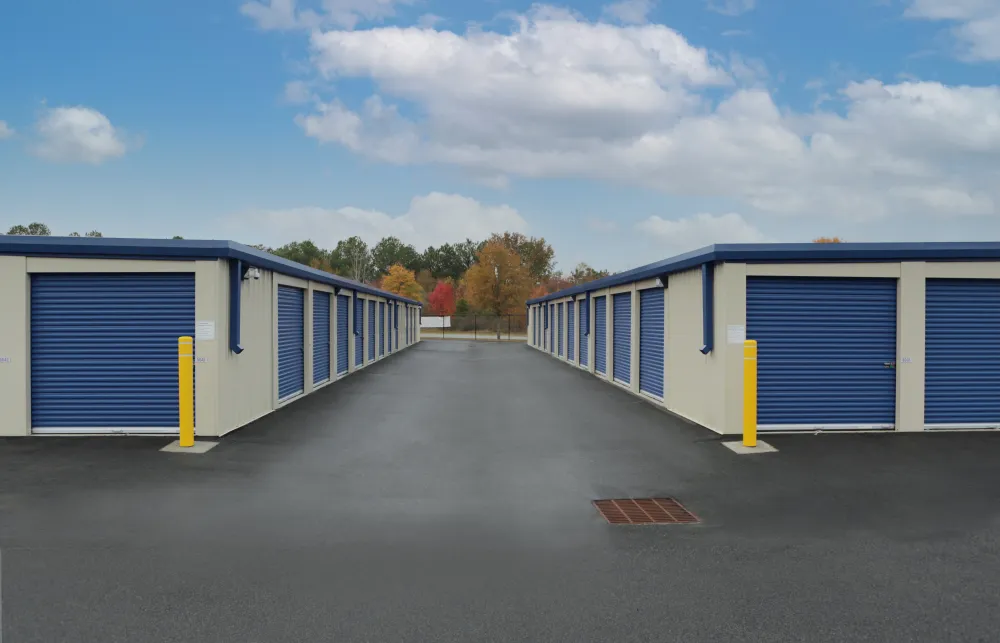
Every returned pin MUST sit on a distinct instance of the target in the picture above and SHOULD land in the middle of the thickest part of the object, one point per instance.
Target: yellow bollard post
(750, 393)
(185, 378)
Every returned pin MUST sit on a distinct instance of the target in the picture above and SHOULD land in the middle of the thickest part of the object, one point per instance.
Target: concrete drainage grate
(645, 511)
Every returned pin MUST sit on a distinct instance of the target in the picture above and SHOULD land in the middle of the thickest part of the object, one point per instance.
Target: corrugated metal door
(321, 336)
(343, 348)
(584, 339)
(291, 342)
(371, 330)
(622, 318)
(393, 322)
(601, 335)
(559, 329)
(962, 378)
(651, 342)
(359, 331)
(826, 352)
(381, 329)
(104, 351)
(570, 331)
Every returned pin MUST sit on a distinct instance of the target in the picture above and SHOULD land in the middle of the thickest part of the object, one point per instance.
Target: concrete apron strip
(739, 449)
(199, 448)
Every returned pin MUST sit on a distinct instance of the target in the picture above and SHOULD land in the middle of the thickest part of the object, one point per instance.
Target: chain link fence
(476, 326)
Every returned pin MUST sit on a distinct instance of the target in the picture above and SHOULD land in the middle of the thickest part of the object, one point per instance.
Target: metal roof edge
(790, 252)
(130, 248)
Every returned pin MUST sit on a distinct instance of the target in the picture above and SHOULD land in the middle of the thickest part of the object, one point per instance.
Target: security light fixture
(659, 282)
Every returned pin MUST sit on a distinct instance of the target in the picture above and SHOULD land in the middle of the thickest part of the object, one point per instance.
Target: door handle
(891, 364)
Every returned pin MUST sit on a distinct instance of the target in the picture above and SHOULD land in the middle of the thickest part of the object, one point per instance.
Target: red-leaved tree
(441, 301)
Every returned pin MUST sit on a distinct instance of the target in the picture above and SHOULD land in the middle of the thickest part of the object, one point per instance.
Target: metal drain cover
(645, 511)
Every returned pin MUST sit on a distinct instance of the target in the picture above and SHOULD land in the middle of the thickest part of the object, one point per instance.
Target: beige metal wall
(708, 389)
(231, 390)
(15, 340)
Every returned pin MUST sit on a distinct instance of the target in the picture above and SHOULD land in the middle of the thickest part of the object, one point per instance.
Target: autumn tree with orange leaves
(828, 240)
(498, 282)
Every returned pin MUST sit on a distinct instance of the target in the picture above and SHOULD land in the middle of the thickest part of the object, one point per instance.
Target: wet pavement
(444, 495)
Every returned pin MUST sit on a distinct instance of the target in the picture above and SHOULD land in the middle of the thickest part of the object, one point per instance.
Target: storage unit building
(89, 333)
(851, 337)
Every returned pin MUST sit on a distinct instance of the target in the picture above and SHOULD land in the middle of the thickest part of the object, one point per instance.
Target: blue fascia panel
(177, 249)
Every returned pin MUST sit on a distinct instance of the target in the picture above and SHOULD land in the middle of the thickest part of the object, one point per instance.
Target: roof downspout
(707, 307)
(235, 286)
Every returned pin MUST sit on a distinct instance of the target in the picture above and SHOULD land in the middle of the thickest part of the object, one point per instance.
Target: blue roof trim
(792, 252)
(183, 249)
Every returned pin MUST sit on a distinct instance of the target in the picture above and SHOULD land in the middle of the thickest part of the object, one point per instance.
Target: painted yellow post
(750, 393)
(185, 378)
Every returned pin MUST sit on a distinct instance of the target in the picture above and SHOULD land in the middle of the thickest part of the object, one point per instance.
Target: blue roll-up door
(622, 319)
(651, 342)
(826, 352)
(359, 331)
(570, 331)
(962, 377)
(371, 330)
(381, 328)
(559, 329)
(584, 339)
(545, 326)
(393, 320)
(343, 347)
(321, 336)
(601, 335)
(104, 351)
(291, 341)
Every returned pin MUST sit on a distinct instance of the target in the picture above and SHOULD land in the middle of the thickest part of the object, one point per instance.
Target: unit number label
(4, 360)
(907, 360)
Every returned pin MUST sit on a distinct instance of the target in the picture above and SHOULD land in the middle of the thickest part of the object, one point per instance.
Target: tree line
(496, 275)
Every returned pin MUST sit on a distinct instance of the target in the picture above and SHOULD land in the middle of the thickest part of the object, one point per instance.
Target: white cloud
(682, 235)
(732, 7)
(978, 28)
(6, 131)
(77, 135)
(629, 11)
(285, 15)
(298, 92)
(430, 220)
(558, 96)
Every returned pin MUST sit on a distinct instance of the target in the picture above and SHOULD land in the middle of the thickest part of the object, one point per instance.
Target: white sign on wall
(736, 334)
(204, 330)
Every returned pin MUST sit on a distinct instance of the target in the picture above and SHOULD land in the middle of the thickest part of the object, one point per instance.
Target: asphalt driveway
(444, 495)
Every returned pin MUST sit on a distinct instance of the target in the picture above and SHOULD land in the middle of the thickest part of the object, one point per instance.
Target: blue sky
(622, 132)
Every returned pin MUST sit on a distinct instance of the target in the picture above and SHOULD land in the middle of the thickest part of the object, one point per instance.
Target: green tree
(32, 229)
(177, 236)
(461, 307)
(451, 261)
(536, 255)
(352, 259)
(303, 252)
(95, 234)
(583, 273)
(390, 251)
(74, 234)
